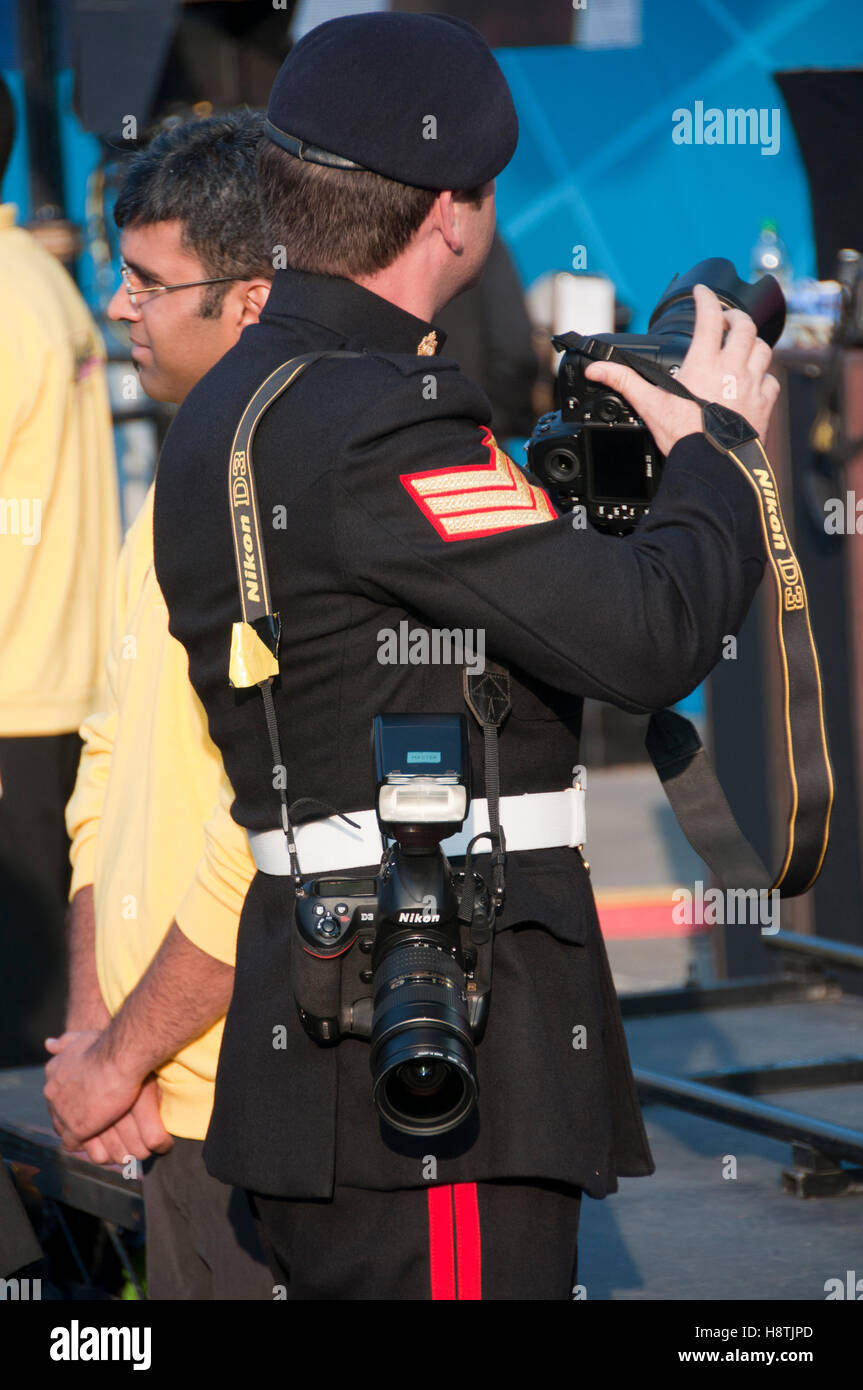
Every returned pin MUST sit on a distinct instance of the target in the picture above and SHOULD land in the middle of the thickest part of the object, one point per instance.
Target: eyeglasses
(133, 290)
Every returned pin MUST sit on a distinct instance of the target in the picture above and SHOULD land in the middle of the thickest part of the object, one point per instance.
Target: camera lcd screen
(421, 745)
(345, 888)
(615, 464)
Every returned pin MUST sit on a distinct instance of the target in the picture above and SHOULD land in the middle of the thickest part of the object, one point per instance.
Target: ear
(449, 221)
(254, 296)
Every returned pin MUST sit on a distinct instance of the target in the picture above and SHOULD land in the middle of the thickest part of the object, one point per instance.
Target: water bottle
(769, 257)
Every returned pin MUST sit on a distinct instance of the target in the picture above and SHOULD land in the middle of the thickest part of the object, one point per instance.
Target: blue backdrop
(596, 165)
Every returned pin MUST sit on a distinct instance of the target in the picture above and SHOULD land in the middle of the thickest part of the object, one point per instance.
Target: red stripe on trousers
(455, 1252)
(467, 1237)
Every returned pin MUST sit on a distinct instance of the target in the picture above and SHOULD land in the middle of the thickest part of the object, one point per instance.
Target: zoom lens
(422, 1055)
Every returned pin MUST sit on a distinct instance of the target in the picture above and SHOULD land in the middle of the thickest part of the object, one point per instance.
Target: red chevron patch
(474, 500)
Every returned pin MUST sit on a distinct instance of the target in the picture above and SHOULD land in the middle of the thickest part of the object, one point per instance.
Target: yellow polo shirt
(59, 513)
(149, 821)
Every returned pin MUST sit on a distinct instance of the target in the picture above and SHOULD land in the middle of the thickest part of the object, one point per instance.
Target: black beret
(416, 97)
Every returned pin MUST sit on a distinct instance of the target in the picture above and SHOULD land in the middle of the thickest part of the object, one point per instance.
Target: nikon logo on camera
(411, 917)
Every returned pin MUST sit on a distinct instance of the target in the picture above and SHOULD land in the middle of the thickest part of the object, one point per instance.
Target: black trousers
(37, 775)
(491, 1240)
(19, 1244)
(201, 1239)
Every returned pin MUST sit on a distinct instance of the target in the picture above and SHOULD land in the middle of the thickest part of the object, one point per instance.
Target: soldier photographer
(383, 497)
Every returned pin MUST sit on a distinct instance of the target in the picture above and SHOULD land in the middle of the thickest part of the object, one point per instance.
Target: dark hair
(202, 173)
(7, 125)
(336, 221)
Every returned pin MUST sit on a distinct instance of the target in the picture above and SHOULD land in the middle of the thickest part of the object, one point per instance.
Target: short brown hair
(342, 222)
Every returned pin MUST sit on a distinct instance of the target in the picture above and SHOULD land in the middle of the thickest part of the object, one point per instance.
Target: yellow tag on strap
(251, 659)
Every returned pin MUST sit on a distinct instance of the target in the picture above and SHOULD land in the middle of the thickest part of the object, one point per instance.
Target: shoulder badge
(478, 499)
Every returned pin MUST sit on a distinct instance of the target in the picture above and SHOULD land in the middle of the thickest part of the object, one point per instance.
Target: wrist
(121, 1059)
(87, 1017)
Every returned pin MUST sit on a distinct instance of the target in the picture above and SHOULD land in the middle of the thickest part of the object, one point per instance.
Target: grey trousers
(201, 1239)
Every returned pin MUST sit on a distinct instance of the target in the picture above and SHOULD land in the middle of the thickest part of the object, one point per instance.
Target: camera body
(403, 959)
(362, 920)
(595, 451)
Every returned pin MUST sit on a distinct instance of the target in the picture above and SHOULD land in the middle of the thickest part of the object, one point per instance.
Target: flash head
(422, 770)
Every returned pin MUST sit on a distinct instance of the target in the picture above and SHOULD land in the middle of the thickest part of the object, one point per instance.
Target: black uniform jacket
(369, 462)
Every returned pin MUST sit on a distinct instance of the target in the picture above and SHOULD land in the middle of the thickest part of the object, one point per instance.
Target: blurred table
(28, 1143)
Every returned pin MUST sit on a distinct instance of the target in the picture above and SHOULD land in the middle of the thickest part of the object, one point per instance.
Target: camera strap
(674, 746)
(488, 695)
(255, 640)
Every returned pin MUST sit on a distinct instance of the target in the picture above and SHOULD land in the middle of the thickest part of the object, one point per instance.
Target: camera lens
(422, 1054)
(674, 315)
(423, 1078)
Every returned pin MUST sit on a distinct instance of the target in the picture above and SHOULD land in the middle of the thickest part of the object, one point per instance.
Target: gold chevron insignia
(478, 499)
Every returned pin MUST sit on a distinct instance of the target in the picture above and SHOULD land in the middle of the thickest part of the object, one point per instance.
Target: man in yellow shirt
(59, 537)
(196, 274)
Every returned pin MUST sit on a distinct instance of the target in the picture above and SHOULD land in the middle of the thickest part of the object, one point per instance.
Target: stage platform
(690, 1233)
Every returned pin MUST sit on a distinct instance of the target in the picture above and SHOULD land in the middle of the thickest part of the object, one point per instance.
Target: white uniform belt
(538, 820)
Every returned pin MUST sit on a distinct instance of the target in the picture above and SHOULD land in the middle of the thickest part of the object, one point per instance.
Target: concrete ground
(694, 1231)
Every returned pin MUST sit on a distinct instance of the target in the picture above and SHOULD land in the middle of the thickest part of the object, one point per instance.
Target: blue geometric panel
(596, 164)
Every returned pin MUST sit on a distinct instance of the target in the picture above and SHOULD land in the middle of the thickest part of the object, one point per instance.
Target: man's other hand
(88, 1094)
(138, 1134)
(733, 374)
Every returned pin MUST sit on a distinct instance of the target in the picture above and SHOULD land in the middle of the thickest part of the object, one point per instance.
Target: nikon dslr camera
(595, 450)
(404, 959)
